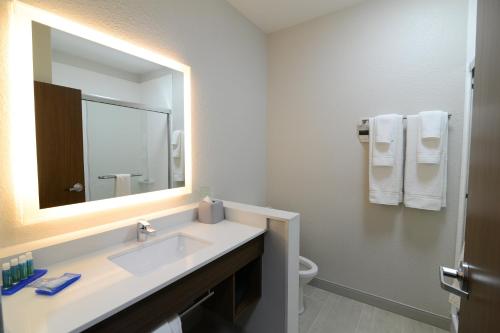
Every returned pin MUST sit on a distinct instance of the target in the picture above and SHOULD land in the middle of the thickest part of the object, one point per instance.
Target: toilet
(307, 271)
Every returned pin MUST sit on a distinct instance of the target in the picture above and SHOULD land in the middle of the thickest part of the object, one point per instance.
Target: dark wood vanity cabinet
(235, 279)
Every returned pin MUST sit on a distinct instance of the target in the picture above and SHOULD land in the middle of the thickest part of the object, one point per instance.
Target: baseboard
(384, 303)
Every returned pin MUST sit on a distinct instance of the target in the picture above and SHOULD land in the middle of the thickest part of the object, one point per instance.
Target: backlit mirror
(108, 123)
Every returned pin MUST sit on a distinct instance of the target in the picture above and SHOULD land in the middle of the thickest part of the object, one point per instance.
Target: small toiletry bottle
(23, 270)
(6, 277)
(29, 263)
(14, 270)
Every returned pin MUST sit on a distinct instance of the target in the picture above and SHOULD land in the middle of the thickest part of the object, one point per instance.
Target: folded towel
(430, 124)
(384, 147)
(178, 156)
(425, 184)
(173, 325)
(122, 185)
(177, 144)
(386, 182)
(431, 128)
(384, 128)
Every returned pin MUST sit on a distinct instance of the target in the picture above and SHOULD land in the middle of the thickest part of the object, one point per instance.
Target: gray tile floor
(330, 313)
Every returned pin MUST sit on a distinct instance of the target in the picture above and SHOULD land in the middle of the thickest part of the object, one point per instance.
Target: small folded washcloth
(386, 128)
(432, 126)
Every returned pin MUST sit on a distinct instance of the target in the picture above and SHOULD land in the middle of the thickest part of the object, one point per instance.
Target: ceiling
(274, 15)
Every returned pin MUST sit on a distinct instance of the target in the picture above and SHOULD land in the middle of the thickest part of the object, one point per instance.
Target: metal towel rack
(114, 176)
(195, 305)
(366, 120)
(363, 128)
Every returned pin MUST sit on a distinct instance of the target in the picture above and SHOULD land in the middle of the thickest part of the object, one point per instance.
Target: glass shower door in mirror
(126, 150)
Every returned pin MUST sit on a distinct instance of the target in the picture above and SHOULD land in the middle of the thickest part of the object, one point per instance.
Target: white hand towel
(173, 325)
(386, 182)
(431, 128)
(385, 146)
(384, 128)
(122, 185)
(430, 124)
(177, 144)
(425, 184)
(178, 155)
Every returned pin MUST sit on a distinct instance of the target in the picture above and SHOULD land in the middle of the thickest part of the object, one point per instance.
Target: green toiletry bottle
(23, 269)
(14, 270)
(29, 263)
(6, 277)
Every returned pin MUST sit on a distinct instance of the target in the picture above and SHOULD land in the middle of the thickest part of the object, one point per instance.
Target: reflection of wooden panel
(59, 137)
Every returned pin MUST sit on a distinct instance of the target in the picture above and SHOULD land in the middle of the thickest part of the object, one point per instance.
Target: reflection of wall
(42, 53)
(177, 101)
(154, 91)
(94, 83)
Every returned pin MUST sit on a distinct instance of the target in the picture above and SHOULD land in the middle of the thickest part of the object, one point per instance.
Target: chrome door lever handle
(76, 188)
(460, 274)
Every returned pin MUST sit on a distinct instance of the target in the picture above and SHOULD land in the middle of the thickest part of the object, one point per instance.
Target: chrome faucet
(143, 230)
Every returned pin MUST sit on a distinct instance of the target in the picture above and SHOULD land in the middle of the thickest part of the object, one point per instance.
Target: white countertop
(105, 288)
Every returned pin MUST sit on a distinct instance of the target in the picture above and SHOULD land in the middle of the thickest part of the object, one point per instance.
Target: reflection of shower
(123, 137)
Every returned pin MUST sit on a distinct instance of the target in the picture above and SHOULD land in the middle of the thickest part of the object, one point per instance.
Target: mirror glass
(108, 123)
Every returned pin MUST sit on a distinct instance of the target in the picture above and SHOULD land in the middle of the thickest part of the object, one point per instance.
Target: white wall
(377, 57)
(95, 83)
(228, 60)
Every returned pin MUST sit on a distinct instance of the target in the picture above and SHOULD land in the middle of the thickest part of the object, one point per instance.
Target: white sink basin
(152, 255)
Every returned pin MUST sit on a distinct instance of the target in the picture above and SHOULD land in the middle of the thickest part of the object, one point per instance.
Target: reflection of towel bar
(114, 176)
(195, 305)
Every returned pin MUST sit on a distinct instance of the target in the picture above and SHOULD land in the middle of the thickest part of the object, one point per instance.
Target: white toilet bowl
(307, 271)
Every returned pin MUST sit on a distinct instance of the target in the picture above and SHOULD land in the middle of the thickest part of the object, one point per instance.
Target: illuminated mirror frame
(23, 139)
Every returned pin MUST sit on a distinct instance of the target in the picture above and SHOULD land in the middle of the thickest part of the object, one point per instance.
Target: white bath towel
(173, 325)
(386, 182)
(432, 126)
(425, 184)
(122, 185)
(385, 146)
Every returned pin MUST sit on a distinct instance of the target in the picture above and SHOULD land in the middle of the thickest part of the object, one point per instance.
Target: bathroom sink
(152, 255)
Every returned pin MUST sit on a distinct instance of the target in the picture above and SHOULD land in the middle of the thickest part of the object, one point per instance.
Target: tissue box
(211, 211)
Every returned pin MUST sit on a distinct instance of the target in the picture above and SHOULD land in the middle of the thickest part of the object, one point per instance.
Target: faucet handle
(144, 225)
(144, 229)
